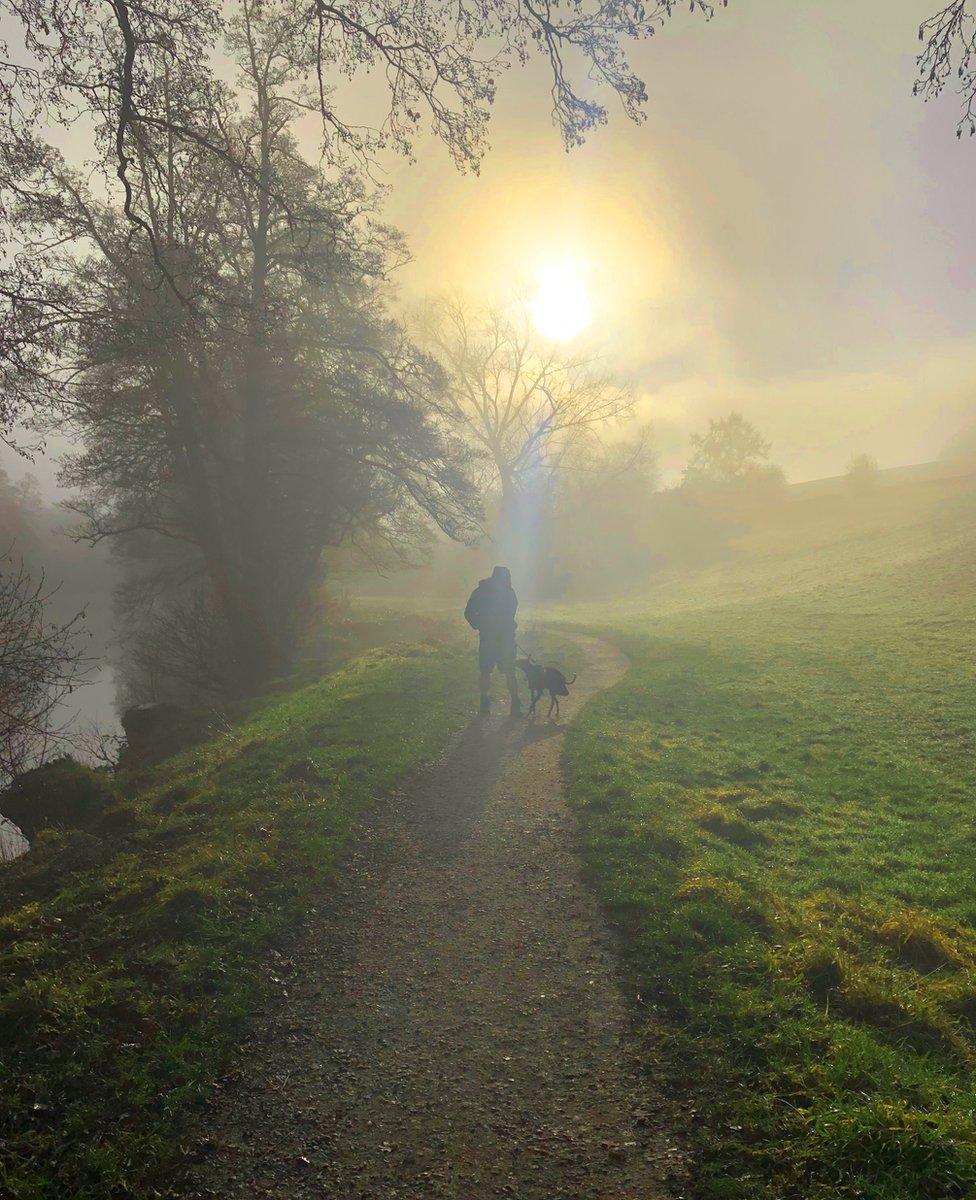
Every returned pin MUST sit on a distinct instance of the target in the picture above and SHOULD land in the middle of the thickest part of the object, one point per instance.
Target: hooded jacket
(491, 608)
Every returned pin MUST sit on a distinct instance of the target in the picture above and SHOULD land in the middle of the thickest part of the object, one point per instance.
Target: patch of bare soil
(454, 1025)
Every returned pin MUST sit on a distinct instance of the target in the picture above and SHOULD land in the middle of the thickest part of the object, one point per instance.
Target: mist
(487, 560)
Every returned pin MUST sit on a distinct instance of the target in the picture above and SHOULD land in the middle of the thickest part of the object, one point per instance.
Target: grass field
(777, 806)
(134, 954)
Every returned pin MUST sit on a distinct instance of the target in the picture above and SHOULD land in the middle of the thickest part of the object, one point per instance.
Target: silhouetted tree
(262, 408)
(948, 54)
(729, 449)
(522, 402)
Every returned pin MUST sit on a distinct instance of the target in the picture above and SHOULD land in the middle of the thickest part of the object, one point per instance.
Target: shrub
(60, 793)
(862, 474)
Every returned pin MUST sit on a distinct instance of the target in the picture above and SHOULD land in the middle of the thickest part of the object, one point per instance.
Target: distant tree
(861, 476)
(523, 404)
(730, 462)
(40, 663)
(730, 448)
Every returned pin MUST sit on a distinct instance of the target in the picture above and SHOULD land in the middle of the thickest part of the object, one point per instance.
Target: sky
(789, 234)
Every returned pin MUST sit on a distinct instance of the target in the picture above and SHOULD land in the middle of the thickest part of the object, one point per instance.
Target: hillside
(777, 807)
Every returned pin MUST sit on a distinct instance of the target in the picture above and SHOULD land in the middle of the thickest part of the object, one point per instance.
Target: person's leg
(512, 679)
(485, 664)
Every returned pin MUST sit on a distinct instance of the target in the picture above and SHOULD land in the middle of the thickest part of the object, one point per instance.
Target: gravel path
(451, 1024)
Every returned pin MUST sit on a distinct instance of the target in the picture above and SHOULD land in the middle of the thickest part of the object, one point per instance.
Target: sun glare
(561, 307)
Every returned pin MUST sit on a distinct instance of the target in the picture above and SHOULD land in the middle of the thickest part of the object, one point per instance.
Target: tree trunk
(255, 623)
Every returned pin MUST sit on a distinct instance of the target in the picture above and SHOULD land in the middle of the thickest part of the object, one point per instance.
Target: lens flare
(561, 307)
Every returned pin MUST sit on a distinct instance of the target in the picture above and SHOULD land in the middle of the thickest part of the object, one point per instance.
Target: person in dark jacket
(491, 610)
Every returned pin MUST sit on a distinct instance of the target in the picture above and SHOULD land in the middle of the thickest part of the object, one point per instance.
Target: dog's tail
(570, 682)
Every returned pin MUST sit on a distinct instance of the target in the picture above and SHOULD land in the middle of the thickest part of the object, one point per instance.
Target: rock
(157, 731)
(12, 843)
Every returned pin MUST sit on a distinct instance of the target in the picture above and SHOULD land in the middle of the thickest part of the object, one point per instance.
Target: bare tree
(522, 402)
(518, 397)
(438, 58)
(41, 662)
(948, 53)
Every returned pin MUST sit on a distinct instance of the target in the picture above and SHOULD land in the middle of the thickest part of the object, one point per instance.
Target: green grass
(133, 955)
(777, 808)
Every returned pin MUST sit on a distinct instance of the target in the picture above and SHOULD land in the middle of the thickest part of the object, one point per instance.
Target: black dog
(545, 679)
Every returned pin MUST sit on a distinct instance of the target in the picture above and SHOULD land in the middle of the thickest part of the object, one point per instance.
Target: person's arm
(472, 611)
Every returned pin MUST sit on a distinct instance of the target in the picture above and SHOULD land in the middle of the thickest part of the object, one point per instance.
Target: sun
(561, 307)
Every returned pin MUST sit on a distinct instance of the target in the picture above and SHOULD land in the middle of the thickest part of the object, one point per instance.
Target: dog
(544, 679)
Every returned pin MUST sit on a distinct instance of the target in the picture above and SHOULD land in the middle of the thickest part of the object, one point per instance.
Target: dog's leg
(552, 703)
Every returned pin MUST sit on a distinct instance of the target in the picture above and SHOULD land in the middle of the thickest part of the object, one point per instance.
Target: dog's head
(527, 665)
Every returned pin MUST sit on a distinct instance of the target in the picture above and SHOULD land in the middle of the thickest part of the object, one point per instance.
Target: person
(491, 610)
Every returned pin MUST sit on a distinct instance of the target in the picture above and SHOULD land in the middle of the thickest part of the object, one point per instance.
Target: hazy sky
(790, 233)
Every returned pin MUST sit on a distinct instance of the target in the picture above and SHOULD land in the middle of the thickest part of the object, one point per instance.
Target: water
(86, 710)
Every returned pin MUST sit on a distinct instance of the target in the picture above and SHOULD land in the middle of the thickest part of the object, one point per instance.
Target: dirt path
(455, 1027)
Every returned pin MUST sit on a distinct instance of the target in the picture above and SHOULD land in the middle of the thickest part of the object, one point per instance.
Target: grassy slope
(131, 956)
(777, 806)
